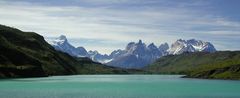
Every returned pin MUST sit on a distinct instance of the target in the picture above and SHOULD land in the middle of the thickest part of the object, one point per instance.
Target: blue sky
(106, 25)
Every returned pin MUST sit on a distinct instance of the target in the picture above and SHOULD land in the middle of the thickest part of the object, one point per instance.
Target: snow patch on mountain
(191, 45)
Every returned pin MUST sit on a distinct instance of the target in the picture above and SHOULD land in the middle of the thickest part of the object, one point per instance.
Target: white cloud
(151, 24)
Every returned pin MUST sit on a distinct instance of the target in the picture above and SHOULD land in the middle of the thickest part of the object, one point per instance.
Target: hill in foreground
(217, 65)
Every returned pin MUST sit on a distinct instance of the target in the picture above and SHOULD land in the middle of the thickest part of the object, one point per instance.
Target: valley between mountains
(28, 54)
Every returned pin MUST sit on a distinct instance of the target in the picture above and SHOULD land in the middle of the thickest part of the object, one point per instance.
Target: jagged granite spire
(62, 37)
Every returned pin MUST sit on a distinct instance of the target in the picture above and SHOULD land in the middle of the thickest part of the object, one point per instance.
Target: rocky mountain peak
(152, 46)
(140, 41)
(164, 47)
(62, 37)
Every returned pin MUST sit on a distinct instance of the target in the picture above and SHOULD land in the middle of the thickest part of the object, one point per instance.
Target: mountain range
(135, 55)
(27, 54)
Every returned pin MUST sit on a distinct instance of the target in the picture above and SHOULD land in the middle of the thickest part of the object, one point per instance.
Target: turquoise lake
(118, 86)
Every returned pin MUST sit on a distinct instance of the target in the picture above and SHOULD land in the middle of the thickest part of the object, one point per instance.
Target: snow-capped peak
(59, 41)
(136, 54)
(191, 45)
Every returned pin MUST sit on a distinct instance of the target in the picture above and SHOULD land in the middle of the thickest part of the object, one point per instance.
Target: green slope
(27, 54)
(218, 65)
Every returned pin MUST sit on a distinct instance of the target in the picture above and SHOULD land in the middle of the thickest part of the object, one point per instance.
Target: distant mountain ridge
(138, 55)
(135, 55)
(61, 43)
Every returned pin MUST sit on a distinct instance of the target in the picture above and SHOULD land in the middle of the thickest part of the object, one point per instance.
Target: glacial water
(118, 86)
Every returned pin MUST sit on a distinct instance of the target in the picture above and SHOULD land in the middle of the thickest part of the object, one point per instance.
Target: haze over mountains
(135, 55)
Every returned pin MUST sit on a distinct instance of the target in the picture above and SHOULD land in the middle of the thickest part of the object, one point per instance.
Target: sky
(107, 25)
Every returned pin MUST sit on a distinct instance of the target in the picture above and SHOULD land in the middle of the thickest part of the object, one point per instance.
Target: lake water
(118, 86)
